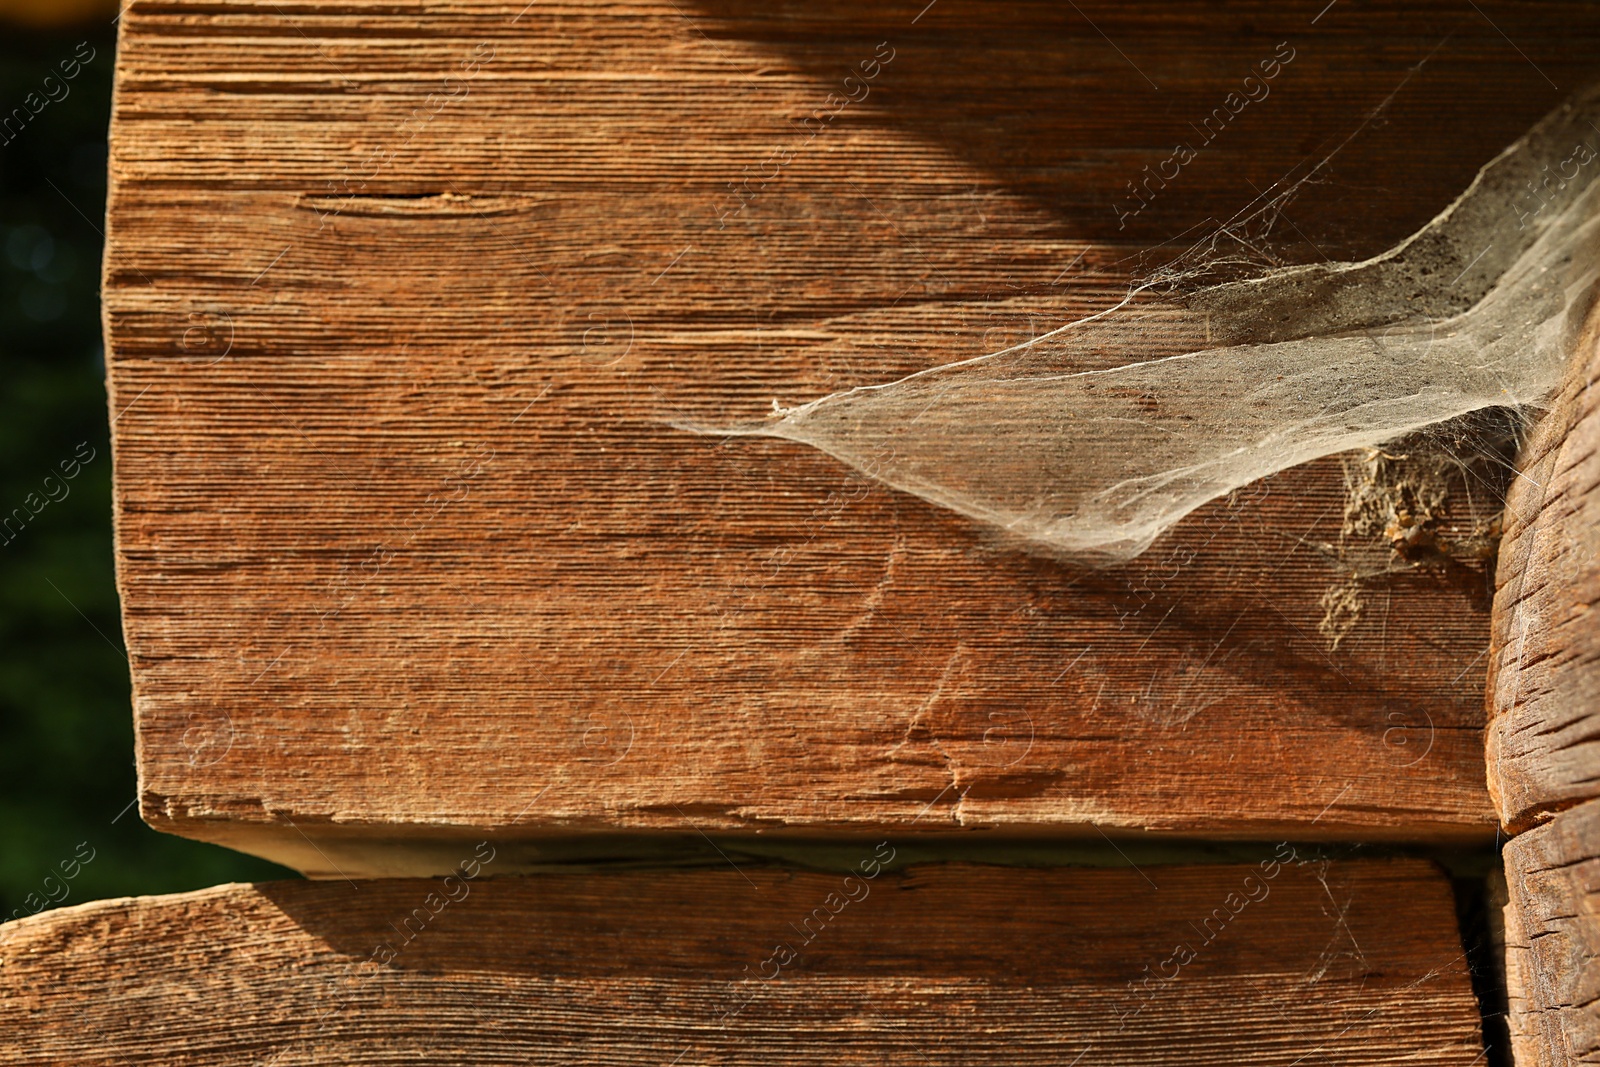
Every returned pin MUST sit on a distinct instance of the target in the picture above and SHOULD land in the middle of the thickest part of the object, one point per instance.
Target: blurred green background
(66, 731)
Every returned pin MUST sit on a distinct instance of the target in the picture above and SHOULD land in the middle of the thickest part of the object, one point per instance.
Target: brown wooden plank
(1553, 939)
(1544, 735)
(1356, 963)
(1523, 1020)
(406, 541)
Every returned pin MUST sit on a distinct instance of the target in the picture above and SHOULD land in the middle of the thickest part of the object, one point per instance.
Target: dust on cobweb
(1431, 501)
(1221, 368)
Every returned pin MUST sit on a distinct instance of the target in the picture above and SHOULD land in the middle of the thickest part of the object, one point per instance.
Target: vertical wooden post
(1544, 732)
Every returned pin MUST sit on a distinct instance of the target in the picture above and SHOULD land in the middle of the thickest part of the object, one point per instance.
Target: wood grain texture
(1524, 1023)
(1553, 939)
(401, 306)
(1354, 963)
(1544, 682)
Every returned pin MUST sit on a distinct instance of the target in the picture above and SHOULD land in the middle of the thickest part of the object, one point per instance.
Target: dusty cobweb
(1221, 368)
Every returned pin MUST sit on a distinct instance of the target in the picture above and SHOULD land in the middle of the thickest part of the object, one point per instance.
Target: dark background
(67, 780)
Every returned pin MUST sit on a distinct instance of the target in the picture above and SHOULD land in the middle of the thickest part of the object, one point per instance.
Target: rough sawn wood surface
(1553, 939)
(402, 307)
(1354, 963)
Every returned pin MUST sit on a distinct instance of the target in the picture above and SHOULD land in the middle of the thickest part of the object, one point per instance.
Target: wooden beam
(1544, 758)
(1524, 1022)
(1348, 962)
(1544, 682)
(402, 308)
(1553, 939)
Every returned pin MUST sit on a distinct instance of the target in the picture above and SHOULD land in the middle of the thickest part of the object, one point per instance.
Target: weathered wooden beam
(1544, 733)
(1544, 682)
(401, 310)
(1553, 939)
(1343, 963)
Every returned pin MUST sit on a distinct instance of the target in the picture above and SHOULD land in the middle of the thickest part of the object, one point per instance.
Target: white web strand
(1226, 384)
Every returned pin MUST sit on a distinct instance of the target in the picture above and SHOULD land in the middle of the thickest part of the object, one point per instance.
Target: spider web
(1221, 368)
